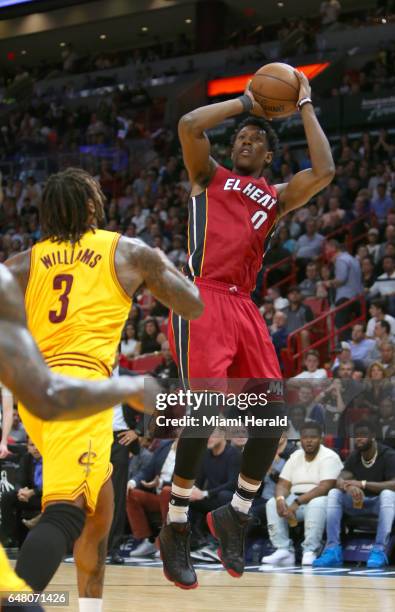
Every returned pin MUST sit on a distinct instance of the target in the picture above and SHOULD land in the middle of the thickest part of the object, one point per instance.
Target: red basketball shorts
(229, 340)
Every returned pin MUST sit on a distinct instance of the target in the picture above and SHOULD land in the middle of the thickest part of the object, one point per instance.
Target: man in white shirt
(301, 495)
(385, 283)
(379, 313)
(312, 371)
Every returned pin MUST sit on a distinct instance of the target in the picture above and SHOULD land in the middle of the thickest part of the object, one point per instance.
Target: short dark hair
(64, 213)
(262, 124)
(311, 425)
(365, 424)
(380, 303)
(386, 325)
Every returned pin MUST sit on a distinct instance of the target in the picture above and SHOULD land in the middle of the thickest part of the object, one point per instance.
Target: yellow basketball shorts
(9, 581)
(76, 454)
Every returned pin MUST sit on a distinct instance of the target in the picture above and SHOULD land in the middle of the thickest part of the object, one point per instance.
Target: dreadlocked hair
(64, 213)
(262, 124)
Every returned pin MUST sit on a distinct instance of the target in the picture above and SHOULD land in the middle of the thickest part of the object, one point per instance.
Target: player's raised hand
(304, 85)
(257, 109)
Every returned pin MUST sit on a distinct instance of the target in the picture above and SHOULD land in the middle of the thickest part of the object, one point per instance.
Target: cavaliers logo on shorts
(87, 460)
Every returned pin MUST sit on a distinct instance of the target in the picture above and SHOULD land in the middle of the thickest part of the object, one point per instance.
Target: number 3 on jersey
(64, 283)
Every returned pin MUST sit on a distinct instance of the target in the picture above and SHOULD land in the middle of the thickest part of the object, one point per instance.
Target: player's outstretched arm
(194, 142)
(46, 394)
(137, 264)
(305, 184)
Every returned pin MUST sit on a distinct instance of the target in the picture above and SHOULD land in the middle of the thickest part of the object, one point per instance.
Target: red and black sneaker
(175, 552)
(229, 527)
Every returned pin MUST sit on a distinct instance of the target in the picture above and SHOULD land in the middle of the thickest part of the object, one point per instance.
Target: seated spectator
(311, 363)
(389, 234)
(387, 358)
(385, 283)
(343, 352)
(360, 345)
(287, 242)
(376, 387)
(298, 314)
(24, 502)
(269, 483)
(386, 417)
(381, 336)
(309, 245)
(168, 368)
(301, 495)
(330, 11)
(148, 493)
(216, 481)
(368, 273)
(381, 204)
(279, 332)
(378, 312)
(129, 343)
(18, 433)
(365, 486)
(267, 310)
(308, 287)
(296, 419)
(333, 219)
(151, 338)
(373, 244)
(331, 403)
(279, 302)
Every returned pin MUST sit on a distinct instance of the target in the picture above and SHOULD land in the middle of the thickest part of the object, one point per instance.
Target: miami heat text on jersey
(229, 223)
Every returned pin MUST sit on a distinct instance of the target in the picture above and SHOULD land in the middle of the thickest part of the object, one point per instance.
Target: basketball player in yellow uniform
(78, 284)
(46, 394)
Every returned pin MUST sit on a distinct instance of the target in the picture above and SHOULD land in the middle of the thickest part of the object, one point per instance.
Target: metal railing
(292, 356)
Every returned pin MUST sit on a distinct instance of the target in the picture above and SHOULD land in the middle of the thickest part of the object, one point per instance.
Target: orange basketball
(276, 88)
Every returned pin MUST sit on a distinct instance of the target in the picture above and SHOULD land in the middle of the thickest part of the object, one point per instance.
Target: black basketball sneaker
(175, 552)
(229, 527)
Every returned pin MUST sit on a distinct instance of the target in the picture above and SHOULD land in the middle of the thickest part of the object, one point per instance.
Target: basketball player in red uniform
(231, 213)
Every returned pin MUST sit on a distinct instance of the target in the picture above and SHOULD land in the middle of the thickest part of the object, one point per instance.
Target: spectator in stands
(385, 283)
(347, 282)
(389, 239)
(387, 352)
(360, 345)
(296, 419)
(381, 204)
(279, 302)
(268, 491)
(301, 495)
(386, 416)
(373, 245)
(287, 242)
(279, 332)
(312, 370)
(308, 287)
(330, 11)
(24, 502)
(378, 312)
(298, 315)
(368, 273)
(129, 343)
(376, 387)
(381, 336)
(331, 403)
(309, 245)
(151, 338)
(168, 368)
(17, 433)
(333, 219)
(216, 482)
(147, 493)
(365, 486)
(267, 310)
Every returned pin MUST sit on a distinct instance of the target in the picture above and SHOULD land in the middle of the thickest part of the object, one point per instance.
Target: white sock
(179, 503)
(90, 604)
(244, 495)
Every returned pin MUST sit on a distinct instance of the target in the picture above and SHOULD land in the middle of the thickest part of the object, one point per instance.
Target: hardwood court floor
(142, 589)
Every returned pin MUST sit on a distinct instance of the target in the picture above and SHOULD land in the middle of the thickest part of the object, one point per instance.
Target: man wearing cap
(343, 356)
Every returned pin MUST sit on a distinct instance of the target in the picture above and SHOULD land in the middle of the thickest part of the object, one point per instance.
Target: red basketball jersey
(229, 223)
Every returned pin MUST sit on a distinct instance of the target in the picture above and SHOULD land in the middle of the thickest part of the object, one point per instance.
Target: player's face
(250, 151)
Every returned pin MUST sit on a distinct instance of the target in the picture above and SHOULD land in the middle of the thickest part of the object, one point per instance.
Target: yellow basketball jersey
(76, 307)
